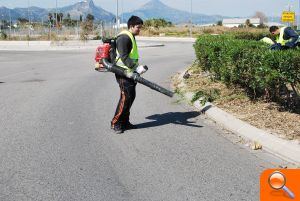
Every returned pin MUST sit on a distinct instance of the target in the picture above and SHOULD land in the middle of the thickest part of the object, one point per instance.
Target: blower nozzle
(102, 59)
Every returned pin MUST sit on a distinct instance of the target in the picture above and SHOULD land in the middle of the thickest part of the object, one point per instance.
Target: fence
(44, 32)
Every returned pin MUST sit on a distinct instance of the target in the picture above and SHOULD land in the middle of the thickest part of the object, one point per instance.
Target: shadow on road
(181, 118)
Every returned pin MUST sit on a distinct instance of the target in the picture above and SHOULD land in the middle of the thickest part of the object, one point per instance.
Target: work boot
(129, 126)
(118, 129)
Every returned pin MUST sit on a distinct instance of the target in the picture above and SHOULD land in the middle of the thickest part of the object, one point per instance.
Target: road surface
(56, 142)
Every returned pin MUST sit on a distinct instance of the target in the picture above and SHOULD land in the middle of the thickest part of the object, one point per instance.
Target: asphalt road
(56, 142)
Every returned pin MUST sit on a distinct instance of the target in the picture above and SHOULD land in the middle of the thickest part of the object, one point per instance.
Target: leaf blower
(105, 55)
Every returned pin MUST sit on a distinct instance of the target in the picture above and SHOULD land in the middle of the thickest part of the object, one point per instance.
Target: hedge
(252, 35)
(263, 73)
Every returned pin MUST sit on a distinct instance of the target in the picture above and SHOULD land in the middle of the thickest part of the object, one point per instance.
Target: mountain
(6, 13)
(87, 7)
(35, 13)
(152, 9)
(157, 9)
(38, 14)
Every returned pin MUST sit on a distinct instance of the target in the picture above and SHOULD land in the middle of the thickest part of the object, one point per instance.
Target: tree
(67, 21)
(262, 17)
(87, 26)
(50, 16)
(262, 26)
(60, 17)
(90, 17)
(50, 19)
(248, 23)
(220, 23)
(157, 23)
(23, 20)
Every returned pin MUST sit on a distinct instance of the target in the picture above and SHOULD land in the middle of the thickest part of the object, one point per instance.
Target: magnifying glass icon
(277, 181)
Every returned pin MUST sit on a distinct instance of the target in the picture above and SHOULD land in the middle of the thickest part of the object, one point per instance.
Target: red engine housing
(102, 52)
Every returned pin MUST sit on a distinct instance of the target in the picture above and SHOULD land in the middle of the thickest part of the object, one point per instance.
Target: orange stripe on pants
(116, 118)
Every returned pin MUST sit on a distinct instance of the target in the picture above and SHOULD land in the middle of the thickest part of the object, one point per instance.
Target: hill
(157, 9)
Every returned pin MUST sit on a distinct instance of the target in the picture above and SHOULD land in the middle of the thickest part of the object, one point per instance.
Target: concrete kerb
(142, 42)
(288, 150)
(60, 45)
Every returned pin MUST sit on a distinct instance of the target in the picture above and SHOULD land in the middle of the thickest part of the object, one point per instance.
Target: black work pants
(127, 96)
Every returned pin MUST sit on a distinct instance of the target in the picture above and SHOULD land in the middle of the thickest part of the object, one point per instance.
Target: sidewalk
(286, 149)
(60, 45)
(81, 45)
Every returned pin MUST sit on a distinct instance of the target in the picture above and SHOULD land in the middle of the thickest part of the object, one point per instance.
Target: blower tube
(136, 77)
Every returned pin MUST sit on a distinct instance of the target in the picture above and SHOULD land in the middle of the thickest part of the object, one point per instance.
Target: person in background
(286, 38)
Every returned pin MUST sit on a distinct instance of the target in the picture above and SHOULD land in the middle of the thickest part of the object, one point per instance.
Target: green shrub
(251, 35)
(157, 23)
(3, 35)
(250, 64)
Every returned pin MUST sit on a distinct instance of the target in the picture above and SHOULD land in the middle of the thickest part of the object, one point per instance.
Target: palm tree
(60, 16)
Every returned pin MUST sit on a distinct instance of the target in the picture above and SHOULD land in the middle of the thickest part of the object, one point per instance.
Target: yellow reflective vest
(279, 38)
(134, 54)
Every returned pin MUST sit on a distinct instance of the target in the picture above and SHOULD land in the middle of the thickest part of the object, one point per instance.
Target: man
(286, 37)
(127, 57)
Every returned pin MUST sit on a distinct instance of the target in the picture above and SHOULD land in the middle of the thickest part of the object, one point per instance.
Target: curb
(64, 45)
(287, 150)
(151, 45)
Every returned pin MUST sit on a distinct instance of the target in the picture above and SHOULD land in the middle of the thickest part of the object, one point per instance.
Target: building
(235, 22)
(121, 26)
(275, 24)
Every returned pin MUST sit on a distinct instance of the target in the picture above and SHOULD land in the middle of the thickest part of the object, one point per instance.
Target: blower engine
(105, 56)
(102, 52)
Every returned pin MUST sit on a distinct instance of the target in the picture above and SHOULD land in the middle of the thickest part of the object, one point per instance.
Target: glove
(141, 69)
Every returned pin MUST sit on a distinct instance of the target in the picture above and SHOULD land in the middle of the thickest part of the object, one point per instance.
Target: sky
(231, 8)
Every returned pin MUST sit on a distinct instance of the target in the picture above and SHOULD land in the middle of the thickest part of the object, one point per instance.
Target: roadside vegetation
(241, 75)
(57, 28)
(65, 28)
(184, 30)
(262, 73)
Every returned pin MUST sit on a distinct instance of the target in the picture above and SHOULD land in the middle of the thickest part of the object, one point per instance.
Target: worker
(127, 58)
(286, 38)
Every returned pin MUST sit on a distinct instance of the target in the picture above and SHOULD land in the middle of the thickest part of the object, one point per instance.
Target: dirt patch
(268, 116)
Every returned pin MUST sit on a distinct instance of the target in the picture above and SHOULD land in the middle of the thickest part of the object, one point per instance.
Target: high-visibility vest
(279, 39)
(134, 54)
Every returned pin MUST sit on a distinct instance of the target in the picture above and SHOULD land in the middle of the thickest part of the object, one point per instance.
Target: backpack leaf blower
(104, 63)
